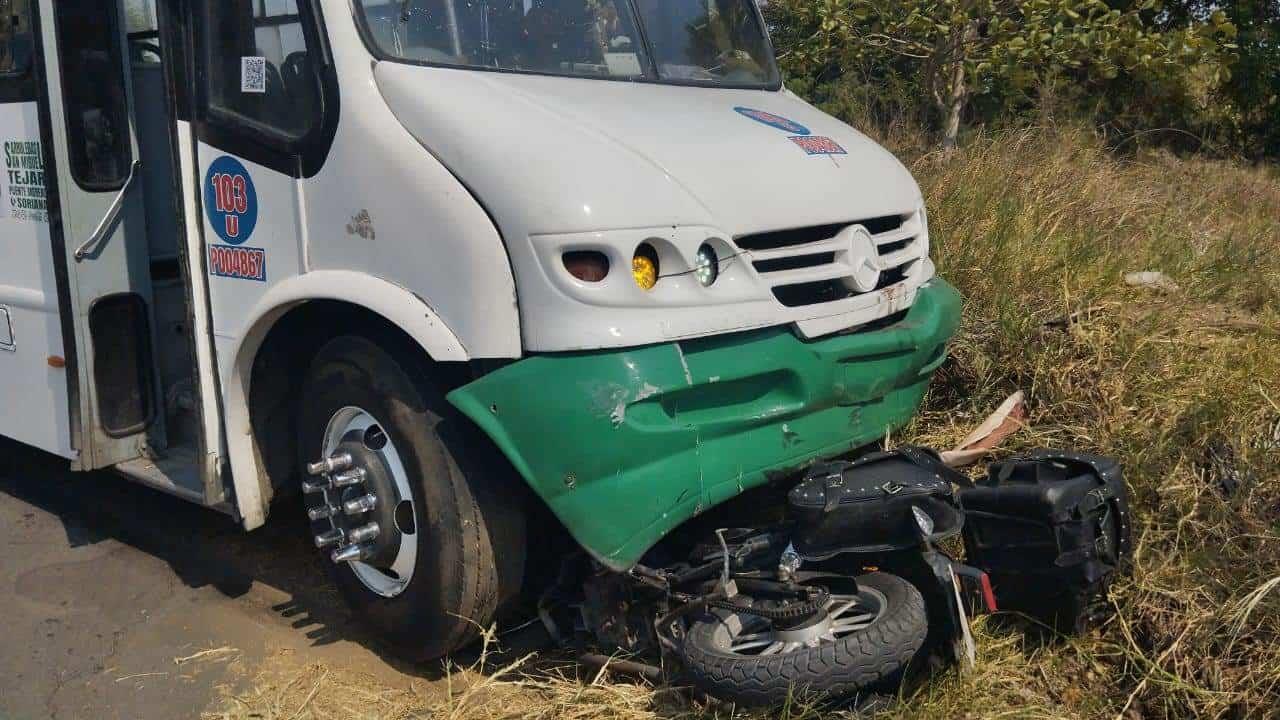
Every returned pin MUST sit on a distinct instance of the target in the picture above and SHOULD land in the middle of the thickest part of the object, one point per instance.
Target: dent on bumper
(625, 445)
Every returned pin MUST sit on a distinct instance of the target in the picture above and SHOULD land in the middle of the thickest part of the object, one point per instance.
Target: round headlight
(706, 265)
(644, 266)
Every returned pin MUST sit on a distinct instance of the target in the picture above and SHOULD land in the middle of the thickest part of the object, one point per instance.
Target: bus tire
(450, 548)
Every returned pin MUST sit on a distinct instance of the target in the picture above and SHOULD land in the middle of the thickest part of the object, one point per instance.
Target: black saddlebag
(1050, 529)
(882, 502)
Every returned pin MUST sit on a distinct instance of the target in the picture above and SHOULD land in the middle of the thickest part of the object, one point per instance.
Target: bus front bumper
(625, 445)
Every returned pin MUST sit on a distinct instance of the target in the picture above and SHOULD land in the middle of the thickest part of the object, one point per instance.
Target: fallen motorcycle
(852, 585)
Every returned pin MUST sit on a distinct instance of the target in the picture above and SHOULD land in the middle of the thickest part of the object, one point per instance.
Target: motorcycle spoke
(853, 622)
(749, 645)
(773, 649)
(841, 605)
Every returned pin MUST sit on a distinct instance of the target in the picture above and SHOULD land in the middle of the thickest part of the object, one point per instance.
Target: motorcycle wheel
(863, 639)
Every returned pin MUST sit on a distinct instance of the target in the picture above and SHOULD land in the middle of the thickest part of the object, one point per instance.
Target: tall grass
(1184, 387)
(1037, 229)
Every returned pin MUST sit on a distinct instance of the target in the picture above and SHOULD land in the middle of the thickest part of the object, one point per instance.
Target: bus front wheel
(402, 504)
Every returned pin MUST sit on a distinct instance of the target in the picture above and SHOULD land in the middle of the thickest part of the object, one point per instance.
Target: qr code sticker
(253, 74)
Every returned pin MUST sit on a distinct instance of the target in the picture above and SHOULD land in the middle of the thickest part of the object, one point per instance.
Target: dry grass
(1036, 226)
(1185, 387)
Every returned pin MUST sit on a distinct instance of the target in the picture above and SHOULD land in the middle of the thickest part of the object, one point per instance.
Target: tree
(1248, 103)
(961, 48)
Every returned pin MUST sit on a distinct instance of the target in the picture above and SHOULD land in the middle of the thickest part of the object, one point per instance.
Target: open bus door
(94, 188)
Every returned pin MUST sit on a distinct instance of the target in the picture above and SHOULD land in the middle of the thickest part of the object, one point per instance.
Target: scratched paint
(641, 469)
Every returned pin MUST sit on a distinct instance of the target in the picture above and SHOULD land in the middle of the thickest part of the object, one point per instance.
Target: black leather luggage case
(882, 502)
(1050, 529)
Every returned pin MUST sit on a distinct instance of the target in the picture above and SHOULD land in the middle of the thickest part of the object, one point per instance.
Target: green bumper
(625, 445)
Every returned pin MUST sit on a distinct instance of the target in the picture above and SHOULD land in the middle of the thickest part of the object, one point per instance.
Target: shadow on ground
(205, 548)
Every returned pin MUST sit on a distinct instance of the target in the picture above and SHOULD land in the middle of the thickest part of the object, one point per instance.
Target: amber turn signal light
(644, 266)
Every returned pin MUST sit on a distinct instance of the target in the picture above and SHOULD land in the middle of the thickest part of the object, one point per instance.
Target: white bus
(426, 263)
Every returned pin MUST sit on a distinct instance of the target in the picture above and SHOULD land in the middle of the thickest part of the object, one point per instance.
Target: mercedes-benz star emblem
(863, 259)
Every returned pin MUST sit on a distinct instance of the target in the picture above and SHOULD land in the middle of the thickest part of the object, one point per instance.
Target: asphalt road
(121, 602)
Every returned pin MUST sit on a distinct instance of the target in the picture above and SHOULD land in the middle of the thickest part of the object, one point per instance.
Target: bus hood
(557, 155)
(564, 165)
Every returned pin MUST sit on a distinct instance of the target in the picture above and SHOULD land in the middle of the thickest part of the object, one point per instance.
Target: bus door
(95, 185)
(261, 121)
(35, 389)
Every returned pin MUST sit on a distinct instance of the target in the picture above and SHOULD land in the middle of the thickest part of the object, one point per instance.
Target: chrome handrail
(100, 235)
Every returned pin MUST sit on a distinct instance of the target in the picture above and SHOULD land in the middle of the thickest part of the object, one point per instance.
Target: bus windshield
(700, 42)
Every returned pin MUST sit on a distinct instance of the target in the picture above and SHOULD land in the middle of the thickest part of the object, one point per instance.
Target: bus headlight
(706, 265)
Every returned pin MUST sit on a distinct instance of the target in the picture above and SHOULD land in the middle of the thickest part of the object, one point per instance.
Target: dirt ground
(122, 602)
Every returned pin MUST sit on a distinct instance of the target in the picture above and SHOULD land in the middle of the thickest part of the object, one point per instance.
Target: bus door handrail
(102, 233)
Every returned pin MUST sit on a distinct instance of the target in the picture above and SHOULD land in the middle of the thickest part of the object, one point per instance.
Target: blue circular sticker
(230, 200)
(773, 121)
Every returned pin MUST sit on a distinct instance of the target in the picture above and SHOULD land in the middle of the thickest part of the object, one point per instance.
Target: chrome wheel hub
(750, 635)
(360, 502)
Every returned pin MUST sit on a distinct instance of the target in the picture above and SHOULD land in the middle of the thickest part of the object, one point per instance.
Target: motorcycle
(856, 582)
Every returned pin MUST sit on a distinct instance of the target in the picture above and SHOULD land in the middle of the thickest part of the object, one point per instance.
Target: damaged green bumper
(624, 445)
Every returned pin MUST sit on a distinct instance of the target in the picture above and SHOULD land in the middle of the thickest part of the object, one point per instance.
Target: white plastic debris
(1002, 423)
(1151, 279)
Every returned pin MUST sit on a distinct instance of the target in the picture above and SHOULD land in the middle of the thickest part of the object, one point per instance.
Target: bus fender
(398, 305)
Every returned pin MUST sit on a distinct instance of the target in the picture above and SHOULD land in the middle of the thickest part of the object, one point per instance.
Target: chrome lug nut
(330, 465)
(364, 533)
(349, 478)
(322, 512)
(360, 505)
(351, 553)
(310, 486)
(332, 537)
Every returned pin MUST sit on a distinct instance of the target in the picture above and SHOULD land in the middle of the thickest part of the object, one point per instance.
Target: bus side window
(93, 87)
(17, 81)
(15, 38)
(142, 27)
(259, 66)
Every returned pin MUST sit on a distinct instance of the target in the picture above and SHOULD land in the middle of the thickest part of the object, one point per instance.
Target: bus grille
(810, 266)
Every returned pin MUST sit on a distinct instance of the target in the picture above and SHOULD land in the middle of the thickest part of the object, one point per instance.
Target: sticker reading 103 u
(230, 200)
